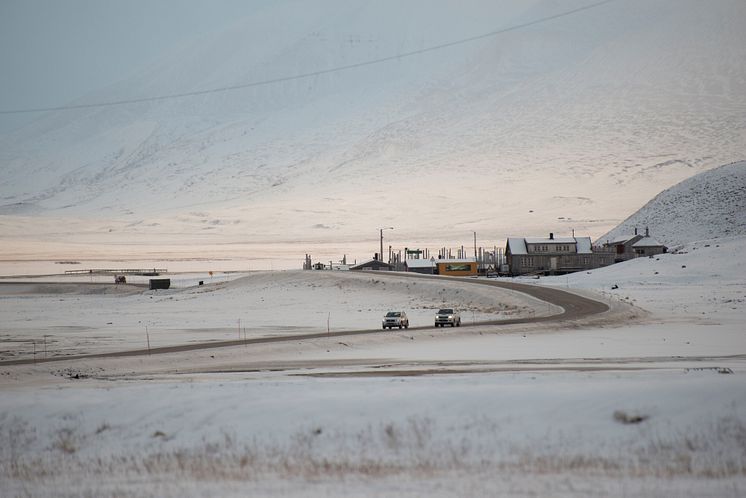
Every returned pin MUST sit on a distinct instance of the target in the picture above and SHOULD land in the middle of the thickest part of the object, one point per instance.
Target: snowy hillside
(710, 205)
(575, 121)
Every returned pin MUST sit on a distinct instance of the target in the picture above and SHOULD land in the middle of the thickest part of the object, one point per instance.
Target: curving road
(574, 307)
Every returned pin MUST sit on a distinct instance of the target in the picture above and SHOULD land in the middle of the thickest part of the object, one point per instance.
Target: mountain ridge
(571, 124)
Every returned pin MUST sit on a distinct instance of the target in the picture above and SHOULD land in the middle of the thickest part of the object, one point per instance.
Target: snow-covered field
(569, 123)
(648, 401)
(512, 434)
(228, 306)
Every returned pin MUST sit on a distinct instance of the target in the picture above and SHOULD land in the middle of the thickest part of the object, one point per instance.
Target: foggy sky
(56, 51)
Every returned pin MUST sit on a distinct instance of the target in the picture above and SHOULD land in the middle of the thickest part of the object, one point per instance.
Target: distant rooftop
(426, 263)
(517, 245)
(547, 240)
(647, 242)
(621, 239)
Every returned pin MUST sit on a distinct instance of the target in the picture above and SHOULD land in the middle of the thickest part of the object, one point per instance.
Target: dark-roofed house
(373, 264)
(627, 247)
(553, 255)
(622, 247)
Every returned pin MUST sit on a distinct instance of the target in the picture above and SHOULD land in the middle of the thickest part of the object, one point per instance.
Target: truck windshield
(445, 311)
(393, 313)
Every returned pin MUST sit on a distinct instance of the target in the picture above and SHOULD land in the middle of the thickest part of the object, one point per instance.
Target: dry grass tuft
(65, 441)
(415, 448)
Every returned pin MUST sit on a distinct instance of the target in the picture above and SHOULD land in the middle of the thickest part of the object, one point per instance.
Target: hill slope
(710, 205)
(571, 122)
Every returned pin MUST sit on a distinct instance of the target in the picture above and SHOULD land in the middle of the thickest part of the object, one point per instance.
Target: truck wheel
(406, 325)
(458, 324)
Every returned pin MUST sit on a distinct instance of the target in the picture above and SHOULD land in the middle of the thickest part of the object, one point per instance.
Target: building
(373, 264)
(648, 246)
(455, 267)
(621, 247)
(553, 255)
(627, 247)
(462, 267)
(425, 266)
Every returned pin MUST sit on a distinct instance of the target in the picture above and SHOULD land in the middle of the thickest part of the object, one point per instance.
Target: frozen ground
(648, 401)
(606, 107)
(642, 433)
(44, 314)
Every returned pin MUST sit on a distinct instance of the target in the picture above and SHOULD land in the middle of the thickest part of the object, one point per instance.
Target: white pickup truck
(395, 319)
(447, 316)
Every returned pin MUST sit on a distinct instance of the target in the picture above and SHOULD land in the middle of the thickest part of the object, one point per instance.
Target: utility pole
(380, 254)
(475, 245)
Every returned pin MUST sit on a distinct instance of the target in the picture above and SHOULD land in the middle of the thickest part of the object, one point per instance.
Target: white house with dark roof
(553, 255)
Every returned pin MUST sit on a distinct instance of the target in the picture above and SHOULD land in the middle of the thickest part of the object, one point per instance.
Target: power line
(311, 74)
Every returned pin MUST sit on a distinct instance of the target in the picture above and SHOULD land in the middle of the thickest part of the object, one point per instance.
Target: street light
(381, 253)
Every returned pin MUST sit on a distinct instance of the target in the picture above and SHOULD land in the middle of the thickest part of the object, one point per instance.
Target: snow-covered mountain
(570, 123)
(710, 205)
